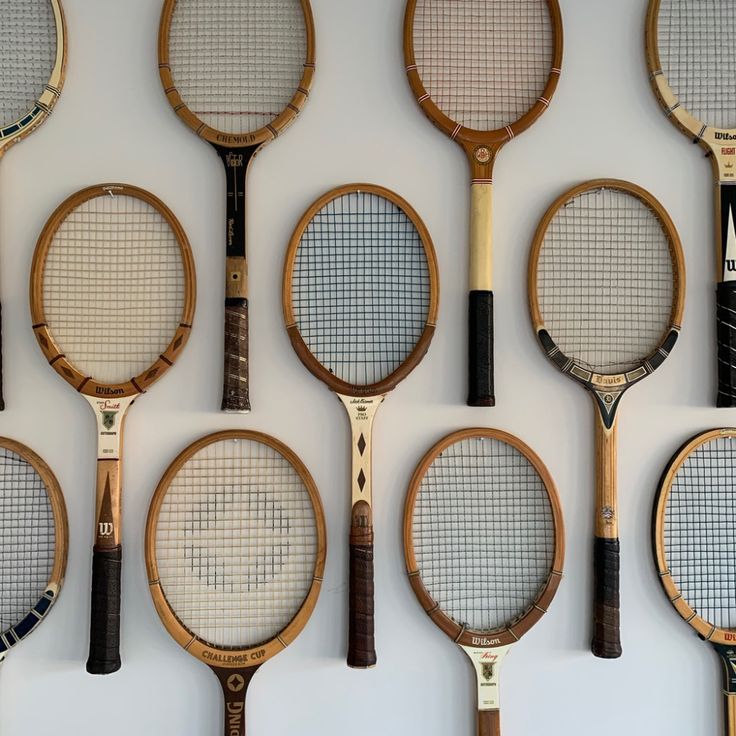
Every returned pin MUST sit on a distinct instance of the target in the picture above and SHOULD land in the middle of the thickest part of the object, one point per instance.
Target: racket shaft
(2, 398)
(480, 307)
(606, 637)
(726, 296)
(234, 683)
(729, 709)
(489, 723)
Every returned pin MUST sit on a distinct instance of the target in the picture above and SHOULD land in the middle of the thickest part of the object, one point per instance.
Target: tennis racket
(606, 292)
(484, 547)
(360, 304)
(482, 72)
(689, 52)
(235, 551)
(32, 54)
(112, 301)
(694, 546)
(237, 73)
(33, 542)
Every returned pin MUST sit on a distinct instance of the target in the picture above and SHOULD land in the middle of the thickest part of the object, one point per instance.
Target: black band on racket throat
(104, 634)
(606, 598)
(480, 349)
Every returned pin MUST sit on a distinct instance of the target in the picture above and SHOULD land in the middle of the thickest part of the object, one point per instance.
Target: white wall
(362, 124)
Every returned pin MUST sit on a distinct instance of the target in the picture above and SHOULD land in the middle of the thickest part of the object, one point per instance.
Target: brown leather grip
(489, 723)
(235, 395)
(606, 600)
(361, 644)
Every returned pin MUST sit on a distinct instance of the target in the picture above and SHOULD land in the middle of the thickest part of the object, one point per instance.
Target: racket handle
(104, 634)
(361, 644)
(606, 598)
(480, 349)
(235, 395)
(2, 398)
(489, 723)
(726, 330)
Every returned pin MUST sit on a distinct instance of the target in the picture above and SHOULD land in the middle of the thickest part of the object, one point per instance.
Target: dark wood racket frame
(519, 626)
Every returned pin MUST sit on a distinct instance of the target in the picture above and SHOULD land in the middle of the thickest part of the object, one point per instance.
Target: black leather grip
(606, 600)
(480, 349)
(104, 631)
(726, 330)
(235, 393)
(361, 644)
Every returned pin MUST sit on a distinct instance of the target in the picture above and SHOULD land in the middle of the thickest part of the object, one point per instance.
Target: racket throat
(234, 683)
(487, 665)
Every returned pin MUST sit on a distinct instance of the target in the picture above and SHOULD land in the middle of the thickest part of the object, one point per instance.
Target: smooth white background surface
(361, 123)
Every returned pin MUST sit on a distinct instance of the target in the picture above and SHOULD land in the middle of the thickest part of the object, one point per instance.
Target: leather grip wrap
(489, 723)
(361, 644)
(104, 632)
(235, 396)
(606, 600)
(480, 349)
(726, 330)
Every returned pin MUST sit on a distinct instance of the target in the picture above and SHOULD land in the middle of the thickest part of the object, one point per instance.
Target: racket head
(481, 120)
(72, 266)
(433, 559)
(572, 314)
(32, 41)
(34, 539)
(185, 89)
(173, 577)
(392, 307)
(694, 496)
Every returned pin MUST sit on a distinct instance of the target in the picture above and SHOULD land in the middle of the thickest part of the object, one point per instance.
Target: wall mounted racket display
(360, 299)
(693, 73)
(110, 339)
(606, 293)
(237, 73)
(32, 58)
(33, 542)
(482, 72)
(484, 547)
(235, 552)
(694, 549)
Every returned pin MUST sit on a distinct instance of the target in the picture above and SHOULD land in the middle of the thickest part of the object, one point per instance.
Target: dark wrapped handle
(606, 598)
(104, 633)
(361, 644)
(235, 394)
(726, 330)
(489, 723)
(480, 349)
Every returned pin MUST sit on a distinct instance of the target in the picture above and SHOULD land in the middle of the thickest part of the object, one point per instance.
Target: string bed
(237, 64)
(696, 39)
(236, 543)
(113, 287)
(27, 538)
(699, 543)
(605, 280)
(484, 63)
(360, 288)
(27, 55)
(483, 533)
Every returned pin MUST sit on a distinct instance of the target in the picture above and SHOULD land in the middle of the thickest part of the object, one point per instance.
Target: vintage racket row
(235, 540)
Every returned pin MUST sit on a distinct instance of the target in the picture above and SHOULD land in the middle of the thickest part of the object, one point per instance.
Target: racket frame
(481, 148)
(110, 403)
(606, 391)
(236, 150)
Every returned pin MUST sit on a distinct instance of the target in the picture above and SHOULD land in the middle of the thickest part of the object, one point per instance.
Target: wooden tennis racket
(112, 301)
(237, 73)
(482, 72)
(694, 547)
(606, 293)
(235, 552)
(32, 58)
(484, 547)
(693, 71)
(34, 539)
(360, 299)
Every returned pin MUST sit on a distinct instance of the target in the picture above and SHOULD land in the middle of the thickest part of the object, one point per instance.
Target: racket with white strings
(360, 299)
(32, 56)
(484, 548)
(34, 539)
(237, 73)
(235, 552)
(693, 72)
(606, 293)
(112, 301)
(694, 551)
(482, 72)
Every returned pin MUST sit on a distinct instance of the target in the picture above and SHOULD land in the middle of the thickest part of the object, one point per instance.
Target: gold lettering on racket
(234, 716)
